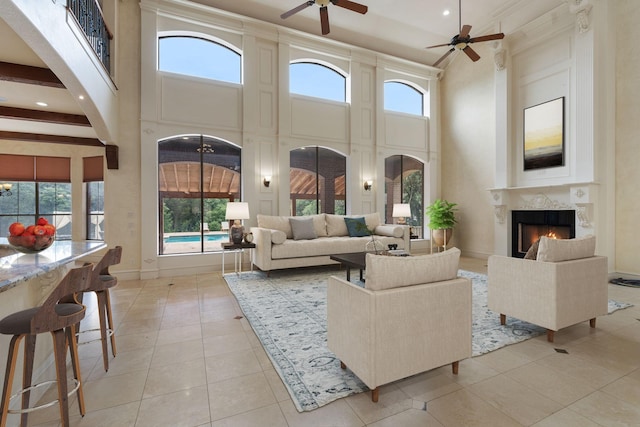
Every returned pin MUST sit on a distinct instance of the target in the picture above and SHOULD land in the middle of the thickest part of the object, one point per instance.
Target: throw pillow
(278, 237)
(275, 223)
(532, 253)
(302, 228)
(356, 227)
(390, 230)
(556, 250)
(386, 272)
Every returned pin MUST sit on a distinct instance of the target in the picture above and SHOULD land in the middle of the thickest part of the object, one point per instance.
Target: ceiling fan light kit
(462, 40)
(324, 11)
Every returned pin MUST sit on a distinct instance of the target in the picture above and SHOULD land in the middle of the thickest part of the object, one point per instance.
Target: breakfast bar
(27, 279)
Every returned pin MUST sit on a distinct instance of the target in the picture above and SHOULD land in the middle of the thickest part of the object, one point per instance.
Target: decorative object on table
(266, 300)
(33, 238)
(248, 237)
(442, 219)
(236, 212)
(401, 211)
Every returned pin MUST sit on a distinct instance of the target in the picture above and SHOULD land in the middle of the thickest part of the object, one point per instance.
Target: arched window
(197, 176)
(403, 98)
(319, 81)
(404, 183)
(199, 57)
(317, 181)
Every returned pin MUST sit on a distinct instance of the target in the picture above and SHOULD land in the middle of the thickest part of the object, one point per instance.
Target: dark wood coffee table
(352, 260)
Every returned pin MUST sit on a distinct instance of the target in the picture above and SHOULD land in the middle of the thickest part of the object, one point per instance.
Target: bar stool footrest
(44, 405)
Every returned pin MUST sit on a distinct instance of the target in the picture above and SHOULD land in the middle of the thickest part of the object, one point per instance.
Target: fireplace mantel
(579, 197)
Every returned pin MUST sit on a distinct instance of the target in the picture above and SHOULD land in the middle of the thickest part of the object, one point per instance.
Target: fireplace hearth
(529, 226)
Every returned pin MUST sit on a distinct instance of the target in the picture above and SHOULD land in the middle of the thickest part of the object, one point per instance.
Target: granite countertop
(16, 267)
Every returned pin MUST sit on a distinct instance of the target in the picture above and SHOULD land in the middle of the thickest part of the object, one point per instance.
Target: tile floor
(185, 359)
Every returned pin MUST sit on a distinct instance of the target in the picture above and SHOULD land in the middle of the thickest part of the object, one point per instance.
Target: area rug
(287, 311)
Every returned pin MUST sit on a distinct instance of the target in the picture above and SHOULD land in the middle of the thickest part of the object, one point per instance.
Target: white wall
(263, 118)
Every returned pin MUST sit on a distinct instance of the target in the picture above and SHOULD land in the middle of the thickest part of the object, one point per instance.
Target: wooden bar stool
(60, 320)
(101, 282)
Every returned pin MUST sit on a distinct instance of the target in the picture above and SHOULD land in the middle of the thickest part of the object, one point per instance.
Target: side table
(238, 250)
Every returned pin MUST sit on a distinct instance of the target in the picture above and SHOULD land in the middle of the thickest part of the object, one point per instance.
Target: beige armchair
(385, 333)
(549, 293)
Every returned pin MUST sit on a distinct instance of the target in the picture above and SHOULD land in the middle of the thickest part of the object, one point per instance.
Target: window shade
(92, 169)
(17, 168)
(53, 169)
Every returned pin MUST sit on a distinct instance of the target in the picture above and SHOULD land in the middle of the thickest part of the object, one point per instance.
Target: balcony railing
(89, 17)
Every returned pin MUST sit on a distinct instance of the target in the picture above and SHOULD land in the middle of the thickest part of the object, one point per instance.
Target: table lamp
(401, 211)
(237, 211)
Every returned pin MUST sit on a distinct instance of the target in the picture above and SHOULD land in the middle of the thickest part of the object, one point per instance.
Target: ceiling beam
(44, 116)
(52, 139)
(18, 73)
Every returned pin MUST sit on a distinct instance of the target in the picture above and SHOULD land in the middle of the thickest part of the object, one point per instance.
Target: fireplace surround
(527, 226)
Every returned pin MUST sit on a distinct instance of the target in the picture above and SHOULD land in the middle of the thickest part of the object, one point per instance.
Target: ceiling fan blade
(442, 58)
(471, 53)
(297, 9)
(324, 20)
(464, 31)
(497, 36)
(356, 7)
(438, 45)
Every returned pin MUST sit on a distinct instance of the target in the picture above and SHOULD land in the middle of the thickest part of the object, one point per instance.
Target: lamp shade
(237, 210)
(401, 210)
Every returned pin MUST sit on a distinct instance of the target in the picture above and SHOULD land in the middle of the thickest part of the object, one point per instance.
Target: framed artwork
(544, 135)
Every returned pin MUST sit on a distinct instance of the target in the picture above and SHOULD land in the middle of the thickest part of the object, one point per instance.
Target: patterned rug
(288, 313)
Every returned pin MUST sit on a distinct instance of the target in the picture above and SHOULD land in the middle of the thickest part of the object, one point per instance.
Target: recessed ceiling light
(42, 104)
(81, 97)
(446, 12)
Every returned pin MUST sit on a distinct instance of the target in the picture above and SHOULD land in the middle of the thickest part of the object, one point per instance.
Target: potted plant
(442, 219)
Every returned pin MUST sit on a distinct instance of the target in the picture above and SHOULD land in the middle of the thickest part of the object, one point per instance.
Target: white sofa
(413, 315)
(278, 248)
(566, 284)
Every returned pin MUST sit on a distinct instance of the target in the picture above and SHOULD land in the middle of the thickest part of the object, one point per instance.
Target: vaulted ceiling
(401, 28)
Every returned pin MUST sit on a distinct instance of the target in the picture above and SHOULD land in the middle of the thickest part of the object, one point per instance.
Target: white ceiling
(401, 28)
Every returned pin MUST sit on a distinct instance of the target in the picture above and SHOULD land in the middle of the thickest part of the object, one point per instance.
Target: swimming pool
(196, 238)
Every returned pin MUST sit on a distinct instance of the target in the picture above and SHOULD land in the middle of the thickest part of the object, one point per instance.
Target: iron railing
(89, 16)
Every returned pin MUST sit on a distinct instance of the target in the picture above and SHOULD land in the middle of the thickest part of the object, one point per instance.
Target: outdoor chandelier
(5, 189)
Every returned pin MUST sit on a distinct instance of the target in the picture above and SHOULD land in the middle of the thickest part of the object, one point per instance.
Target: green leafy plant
(441, 214)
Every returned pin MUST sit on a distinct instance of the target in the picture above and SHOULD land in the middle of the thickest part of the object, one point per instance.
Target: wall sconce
(267, 180)
(368, 185)
(5, 189)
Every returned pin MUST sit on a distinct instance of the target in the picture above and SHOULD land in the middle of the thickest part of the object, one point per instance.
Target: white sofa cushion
(386, 272)
(275, 223)
(337, 227)
(278, 237)
(556, 250)
(389, 230)
(302, 228)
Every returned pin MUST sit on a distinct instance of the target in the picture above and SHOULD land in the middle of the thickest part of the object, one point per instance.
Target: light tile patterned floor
(185, 360)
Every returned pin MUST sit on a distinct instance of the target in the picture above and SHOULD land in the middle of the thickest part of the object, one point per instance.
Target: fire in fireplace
(529, 226)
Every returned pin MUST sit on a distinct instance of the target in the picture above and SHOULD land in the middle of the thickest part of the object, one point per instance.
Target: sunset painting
(544, 135)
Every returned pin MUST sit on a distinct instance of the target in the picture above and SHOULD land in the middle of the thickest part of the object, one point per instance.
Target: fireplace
(528, 226)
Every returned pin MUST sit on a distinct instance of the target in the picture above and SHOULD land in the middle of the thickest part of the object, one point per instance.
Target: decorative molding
(582, 9)
(500, 56)
(543, 202)
(500, 212)
(582, 213)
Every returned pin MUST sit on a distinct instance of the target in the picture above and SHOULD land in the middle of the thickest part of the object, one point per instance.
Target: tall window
(317, 181)
(197, 176)
(319, 81)
(92, 170)
(41, 187)
(404, 183)
(403, 98)
(199, 57)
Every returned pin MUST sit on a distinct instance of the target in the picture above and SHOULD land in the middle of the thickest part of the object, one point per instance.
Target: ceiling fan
(324, 11)
(462, 40)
